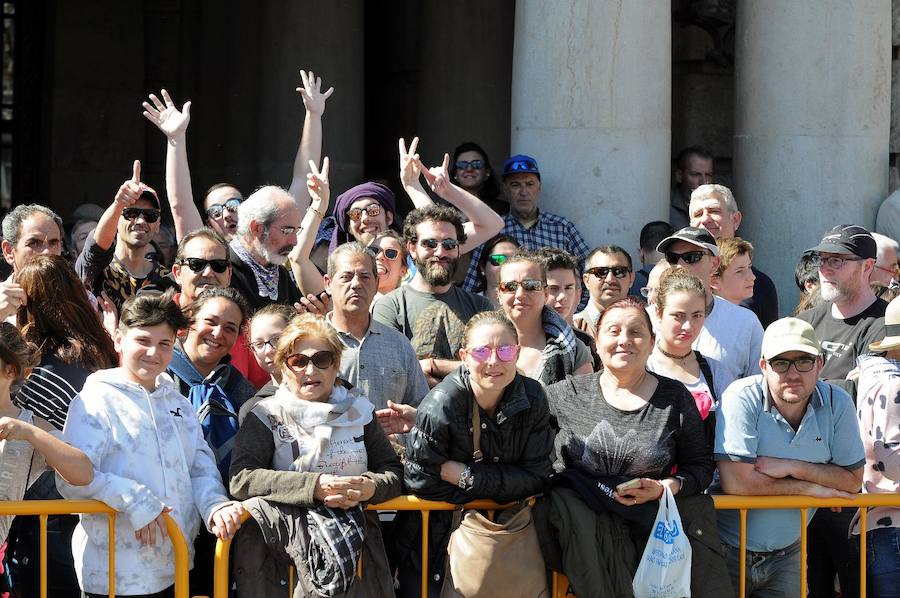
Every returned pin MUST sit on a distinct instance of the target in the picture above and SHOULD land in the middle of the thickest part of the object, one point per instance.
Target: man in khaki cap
(783, 432)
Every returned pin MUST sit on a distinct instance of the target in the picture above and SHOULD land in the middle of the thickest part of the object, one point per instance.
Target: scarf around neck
(266, 276)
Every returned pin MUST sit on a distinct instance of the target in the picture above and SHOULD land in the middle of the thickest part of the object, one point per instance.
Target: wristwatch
(466, 479)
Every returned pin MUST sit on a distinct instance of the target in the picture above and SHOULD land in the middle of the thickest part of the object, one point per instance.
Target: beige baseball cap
(789, 334)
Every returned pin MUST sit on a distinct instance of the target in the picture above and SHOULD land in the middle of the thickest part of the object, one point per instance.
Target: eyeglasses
(835, 263)
(522, 166)
(260, 346)
(691, 257)
(888, 270)
(529, 284)
(447, 244)
(149, 215)
(373, 209)
(289, 230)
(781, 366)
(390, 254)
(602, 272)
(505, 353)
(198, 264)
(217, 209)
(645, 291)
(498, 259)
(465, 164)
(321, 359)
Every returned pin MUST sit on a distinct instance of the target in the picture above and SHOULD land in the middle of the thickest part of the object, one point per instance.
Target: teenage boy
(149, 458)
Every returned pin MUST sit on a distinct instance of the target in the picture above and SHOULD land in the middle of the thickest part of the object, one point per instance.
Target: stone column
(812, 122)
(591, 100)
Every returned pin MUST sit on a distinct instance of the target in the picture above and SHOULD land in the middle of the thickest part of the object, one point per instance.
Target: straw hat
(891, 338)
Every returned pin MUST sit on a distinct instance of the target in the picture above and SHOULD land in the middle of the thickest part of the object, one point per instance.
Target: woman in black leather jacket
(516, 438)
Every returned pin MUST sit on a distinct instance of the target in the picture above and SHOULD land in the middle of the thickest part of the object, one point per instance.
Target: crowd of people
(296, 359)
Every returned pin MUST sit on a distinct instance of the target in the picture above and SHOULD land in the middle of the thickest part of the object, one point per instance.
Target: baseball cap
(848, 239)
(789, 334)
(87, 211)
(520, 163)
(693, 235)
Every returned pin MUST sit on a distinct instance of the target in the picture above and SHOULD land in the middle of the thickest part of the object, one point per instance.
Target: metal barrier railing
(738, 503)
(44, 508)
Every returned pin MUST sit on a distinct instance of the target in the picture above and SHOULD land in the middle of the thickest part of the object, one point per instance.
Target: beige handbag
(496, 560)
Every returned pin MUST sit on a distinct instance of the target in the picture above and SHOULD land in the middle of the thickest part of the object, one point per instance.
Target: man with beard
(268, 223)
(430, 310)
(847, 322)
(115, 257)
(608, 276)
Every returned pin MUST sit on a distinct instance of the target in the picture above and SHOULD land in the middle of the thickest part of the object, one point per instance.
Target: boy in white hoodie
(149, 457)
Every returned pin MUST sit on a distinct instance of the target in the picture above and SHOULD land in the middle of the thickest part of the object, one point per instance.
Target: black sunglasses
(390, 254)
(198, 264)
(602, 271)
(321, 359)
(216, 210)
(691, 257)
(447, 244)
(149, 215)
(529, 284)
(464, 164)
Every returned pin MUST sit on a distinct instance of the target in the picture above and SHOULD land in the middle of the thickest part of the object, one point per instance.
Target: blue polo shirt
(749, 426)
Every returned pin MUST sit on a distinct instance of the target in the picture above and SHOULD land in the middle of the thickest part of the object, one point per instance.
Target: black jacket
(517, 442)
(244, 281)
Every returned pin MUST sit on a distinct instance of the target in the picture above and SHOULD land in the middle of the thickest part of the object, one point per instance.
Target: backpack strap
(707, 374)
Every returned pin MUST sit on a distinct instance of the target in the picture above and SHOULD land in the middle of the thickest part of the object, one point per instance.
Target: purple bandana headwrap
(376, 191)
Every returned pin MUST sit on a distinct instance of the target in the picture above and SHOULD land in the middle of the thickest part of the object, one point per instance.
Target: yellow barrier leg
(111, 530)
(742, 557)
(425, 554)
(43, 531)
(863, 524)
(803, 513)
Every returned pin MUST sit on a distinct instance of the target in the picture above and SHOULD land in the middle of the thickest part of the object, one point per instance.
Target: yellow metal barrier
(43, 508)
(560, 582)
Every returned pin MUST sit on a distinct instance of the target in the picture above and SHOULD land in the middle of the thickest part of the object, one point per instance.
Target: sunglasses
(466, 164)
(447, 244)
(691, 257)
(321, 359)
(260, 346)
(289, 230)
(498, 259)
(390, 254)
(149, 215)
(529, 284)
(505, 353)
(601, 272)
(781, 366)
(198, 264)
(522, 166)
(217, 209)
(356, 213)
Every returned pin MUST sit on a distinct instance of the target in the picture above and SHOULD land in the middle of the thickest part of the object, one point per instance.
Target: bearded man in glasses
(731, 334)
(784, 433)
(431, 311)
(527, 224)
(116, 258)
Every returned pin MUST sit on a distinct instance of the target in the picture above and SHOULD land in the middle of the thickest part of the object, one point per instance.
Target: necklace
(680, 358)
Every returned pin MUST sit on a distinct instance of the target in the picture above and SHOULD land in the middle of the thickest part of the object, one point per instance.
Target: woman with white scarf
(309, 458)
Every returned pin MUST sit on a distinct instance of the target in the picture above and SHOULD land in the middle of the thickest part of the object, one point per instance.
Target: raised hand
(438, 177)
(130, 190)
(166, 116)
(410, 167)
(317, 185)
(311, 92)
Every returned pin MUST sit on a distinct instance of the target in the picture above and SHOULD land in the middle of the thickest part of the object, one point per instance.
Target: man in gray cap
(850, 318)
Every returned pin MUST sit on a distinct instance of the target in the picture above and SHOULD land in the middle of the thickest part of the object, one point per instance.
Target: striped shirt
(50, 388)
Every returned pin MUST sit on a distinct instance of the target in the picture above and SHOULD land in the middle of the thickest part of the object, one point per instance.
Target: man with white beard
(268, 223)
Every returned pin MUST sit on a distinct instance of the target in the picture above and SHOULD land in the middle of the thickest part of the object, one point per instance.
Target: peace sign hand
(166, 116)
(317, 185)
(311, 92)
(410, 167)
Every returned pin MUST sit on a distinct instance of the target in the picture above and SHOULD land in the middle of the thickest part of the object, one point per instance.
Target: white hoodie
(148, 452)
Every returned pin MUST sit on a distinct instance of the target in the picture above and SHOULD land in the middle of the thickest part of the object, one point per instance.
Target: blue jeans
(768, 574)
(882, 562)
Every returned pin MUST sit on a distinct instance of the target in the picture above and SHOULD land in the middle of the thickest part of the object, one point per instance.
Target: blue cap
(520, 163)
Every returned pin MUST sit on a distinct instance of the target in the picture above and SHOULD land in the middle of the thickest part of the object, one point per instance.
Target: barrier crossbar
(43, 508)
(560, 582)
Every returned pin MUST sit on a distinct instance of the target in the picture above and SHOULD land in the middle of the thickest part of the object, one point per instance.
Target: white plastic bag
(665, 568)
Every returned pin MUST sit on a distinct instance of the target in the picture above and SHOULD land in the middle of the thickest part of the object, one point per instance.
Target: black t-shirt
(843, 340)
(764, 302)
